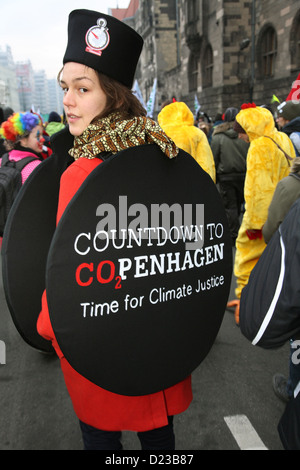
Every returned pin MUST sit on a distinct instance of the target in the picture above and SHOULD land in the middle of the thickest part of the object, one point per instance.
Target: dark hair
(119, 98)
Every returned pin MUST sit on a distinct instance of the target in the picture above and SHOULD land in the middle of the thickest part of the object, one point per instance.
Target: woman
(104, 116)
(23, 133)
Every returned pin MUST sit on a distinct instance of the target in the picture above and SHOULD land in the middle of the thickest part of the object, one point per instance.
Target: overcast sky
(36, 30)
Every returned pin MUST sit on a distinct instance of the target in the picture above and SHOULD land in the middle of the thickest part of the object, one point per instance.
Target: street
(234, 406)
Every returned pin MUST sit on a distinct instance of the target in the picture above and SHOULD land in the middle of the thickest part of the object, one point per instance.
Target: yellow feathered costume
(266, 166)
(177, 120)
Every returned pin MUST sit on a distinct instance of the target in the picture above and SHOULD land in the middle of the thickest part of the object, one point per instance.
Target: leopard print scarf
(113, 134)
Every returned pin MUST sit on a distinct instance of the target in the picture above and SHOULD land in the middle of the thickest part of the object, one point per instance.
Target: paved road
(234, 406)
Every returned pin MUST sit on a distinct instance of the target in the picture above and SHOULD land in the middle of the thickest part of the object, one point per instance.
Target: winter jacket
(292, 129)
(17, 155)
(286, 193)
(92, 404)
(230, 153)
(177, 121)
(270, 303)
(266, 166)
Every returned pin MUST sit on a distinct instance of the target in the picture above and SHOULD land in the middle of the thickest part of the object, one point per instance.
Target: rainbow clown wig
(18, 125)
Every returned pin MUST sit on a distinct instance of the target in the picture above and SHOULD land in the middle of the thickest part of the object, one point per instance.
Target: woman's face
(35, 139)
(84, 98)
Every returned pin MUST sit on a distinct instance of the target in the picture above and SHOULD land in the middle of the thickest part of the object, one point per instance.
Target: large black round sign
(139, 272)
(27, 237)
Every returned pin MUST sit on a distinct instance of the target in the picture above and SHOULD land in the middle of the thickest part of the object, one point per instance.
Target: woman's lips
(72, 117)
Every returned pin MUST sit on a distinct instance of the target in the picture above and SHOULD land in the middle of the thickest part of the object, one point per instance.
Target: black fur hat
(103, 43)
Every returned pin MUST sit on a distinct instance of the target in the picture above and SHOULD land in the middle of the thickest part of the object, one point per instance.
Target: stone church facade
(225, 52)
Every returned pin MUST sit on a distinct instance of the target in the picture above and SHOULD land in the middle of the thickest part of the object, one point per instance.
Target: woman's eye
(82, 90)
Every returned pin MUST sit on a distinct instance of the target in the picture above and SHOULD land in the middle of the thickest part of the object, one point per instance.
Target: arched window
(268, 52)
(295, 43)
(193, 72)
(207, 67)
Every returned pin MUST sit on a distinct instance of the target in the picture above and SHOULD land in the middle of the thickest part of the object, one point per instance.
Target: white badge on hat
(97, 37)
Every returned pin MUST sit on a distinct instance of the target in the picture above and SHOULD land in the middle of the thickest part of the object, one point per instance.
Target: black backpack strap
(20, 165)
(4, 159)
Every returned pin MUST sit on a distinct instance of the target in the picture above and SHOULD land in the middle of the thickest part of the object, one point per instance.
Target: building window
(295, 43)
(208, 65)
(193, 73)
(149, 51)
(268, 51)
(192, 13)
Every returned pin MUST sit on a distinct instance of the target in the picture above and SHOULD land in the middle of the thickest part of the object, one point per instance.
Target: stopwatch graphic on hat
(97, 37)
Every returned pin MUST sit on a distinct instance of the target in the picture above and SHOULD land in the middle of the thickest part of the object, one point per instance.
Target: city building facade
(9, 96)
(25, 77)
(24, 89)
(224, 52)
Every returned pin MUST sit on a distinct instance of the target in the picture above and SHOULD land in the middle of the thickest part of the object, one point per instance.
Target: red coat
(92, 404)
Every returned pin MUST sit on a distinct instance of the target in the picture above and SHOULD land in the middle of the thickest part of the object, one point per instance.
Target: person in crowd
(288, 121)
(2, 141)
(23, 134)
(202, 116)
(217, 121)
(47, 150)
(268, 161)
(7, 111)
(286, 193)
(230, 154)
(99, 105)
(55, 123)
(177, 120)
(205, 127)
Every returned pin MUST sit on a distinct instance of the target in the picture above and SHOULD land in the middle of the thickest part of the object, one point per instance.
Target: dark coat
(292, 129)
(286, 193)
(230, 153)
(270, 302)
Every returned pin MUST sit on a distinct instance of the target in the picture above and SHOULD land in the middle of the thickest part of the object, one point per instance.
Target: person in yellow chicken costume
(177, 120)
(268, 161)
